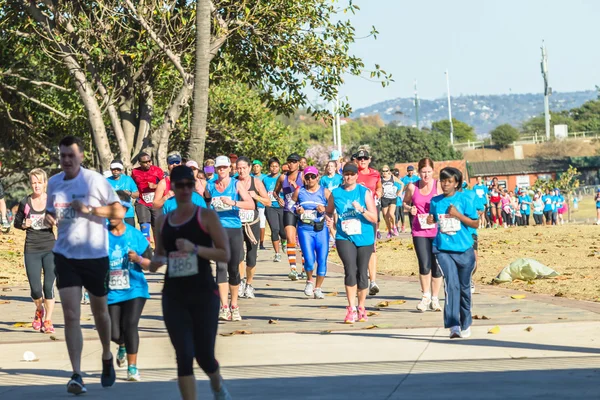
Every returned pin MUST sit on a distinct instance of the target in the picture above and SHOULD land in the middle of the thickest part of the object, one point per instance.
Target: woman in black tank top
(189, 238)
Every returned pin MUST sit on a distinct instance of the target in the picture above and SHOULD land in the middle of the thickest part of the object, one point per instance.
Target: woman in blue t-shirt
(598, 207)
(354, 238)
(455, 213)
(128, 254)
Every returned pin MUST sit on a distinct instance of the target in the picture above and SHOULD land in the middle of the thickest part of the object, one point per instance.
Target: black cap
(410, 168)
(362, 153)
(173, 158)
(353, 156)
(182, 172)
(350, 167)
(294, 157)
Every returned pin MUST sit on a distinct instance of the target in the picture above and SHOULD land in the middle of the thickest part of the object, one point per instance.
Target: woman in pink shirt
(417, 200)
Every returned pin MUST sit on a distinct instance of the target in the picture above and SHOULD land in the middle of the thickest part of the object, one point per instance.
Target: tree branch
(36, 101)
(33, 82)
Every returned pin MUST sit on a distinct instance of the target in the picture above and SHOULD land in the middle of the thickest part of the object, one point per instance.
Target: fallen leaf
(517, 310)
(372, 314)
(5, 302)
(382, 304)
(370, 327)
(267, 284)
(273, 321)
(6, 289)
(395, 302)
(482, 317)
(53, 338)
(559, 294)
(494, 330)
(274, 305)
(240, 332)
(517, 296)
(529, 328)
(332, 294)
(562, 318)
(22, 324)
(86, 318)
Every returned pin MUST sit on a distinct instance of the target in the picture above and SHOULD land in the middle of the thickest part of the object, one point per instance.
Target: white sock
(427, 295)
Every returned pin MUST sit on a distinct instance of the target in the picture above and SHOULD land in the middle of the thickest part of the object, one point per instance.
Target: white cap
(192, 164)
(222, 161)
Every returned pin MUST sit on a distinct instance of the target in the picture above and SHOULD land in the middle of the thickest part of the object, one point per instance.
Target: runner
(505, 201)
(407, 179)
(146, 177)
(163, 189)
(274, 213)
(399, 201)
(557, 215)
(79, 202)
(391, 191)
(482, 195)
(417, 200)
(548, 206)
(302, 164)
(495, 200)
(525, 204)
(597, 206)
(332, 179)
(250, 224)
(257, 172)
(453, 248)
(3, 213)
(370, 178)
(200, 182)
(209, 170)
(313, 235)
(233, 159)
(228, 198)
(355, 238)
(128, 254)
(39, 241)
(189, 238)
(120, 181)
(336, 157)
(288, 183)
(538, 210)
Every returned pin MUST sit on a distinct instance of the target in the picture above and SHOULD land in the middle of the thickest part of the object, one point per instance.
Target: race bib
(182, 264)
(449, 225)
(119, 279)
(548, 201)
(494, 193)
(37, 221)
(389, 191)
(271, 196)
(423, 221)
(64, 213)
(524, 207)
(479, 192)
(352, 226)
(308, 216)
(148, 197)
(219, 206)
(246, 216)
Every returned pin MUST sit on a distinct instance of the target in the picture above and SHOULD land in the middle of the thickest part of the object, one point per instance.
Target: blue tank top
(270, 181)
(352, 225)
(331, 182)
(288, 191)
(229, 215)
(309, 201)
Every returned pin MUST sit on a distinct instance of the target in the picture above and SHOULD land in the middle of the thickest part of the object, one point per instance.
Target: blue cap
(335, 155)
(464, 185)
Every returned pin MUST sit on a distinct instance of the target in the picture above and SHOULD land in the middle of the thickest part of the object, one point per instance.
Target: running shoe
(5, 226)
(277, 258)
(133, 374)
(472, 287)
(121, 356)
(396, 233)
(302, 275)
(378, 235)
(293, 275)
(76, 385)
(284, 243)
(424, 304)
(222, 394)
(362, 314)
(435, 304)
(351, 315)
(224, 314)
(309, 289)
(249, 293)
(262, 247)
(466, 333)
(319, 294)
(108, 377)
(455, 332)
(235, 313)
(389, 235)
(47, 327)
(242, 288)
(403, 229)
(373, 288)
(38, 318)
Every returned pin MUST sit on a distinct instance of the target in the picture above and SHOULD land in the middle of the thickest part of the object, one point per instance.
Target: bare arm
(159, 250)
(408, 194)
(220, 249)
(246, 203)
(111, 211)
(379, 189)
(262, 196)
(159, 195)
(371, 213)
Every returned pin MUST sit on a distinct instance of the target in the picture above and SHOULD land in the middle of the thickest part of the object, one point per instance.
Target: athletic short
(262, 219)
(147, 214)
(91, 273)
(130, 221)
(289, 219)
(475, 241)
(548, 215)
(387, 202)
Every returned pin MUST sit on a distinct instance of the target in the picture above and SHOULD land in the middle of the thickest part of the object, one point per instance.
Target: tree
(567, 183)
(503, 135)
(462, 132)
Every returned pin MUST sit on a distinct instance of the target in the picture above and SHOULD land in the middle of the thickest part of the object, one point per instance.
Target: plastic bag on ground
(525, 269)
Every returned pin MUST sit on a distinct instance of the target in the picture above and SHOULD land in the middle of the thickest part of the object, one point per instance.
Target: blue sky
(488, 46)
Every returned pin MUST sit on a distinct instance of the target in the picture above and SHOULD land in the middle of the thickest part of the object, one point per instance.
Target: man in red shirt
(371, 179)
(146, 177)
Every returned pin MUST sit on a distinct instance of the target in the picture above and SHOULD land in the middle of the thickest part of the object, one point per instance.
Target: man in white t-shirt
(79, 202)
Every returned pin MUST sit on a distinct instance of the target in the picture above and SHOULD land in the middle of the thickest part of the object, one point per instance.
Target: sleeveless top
(309, 201)
(420, 228)
(248, 216)
(192, 230)
(38, 236)
(389, 188)
(270, 181)
(229, 215)
(288, 191)
(352, 225)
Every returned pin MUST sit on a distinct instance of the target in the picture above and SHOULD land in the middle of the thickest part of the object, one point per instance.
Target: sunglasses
(293, 161)
(362, 158)
(310, 176)
(175, 162)
(145, 162)
(184, 185)
(385, 170)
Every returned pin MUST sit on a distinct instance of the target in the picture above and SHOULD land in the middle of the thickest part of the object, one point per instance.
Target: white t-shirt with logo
(80, 236)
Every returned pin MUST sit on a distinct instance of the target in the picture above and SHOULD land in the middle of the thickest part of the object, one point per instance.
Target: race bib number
(479, 192)
(449, 225)
(119, 279)
(219, 206)
(308, 216)
(64, 213)
(271, 196)
(423, 221)
(37, 221)
(389, 191)
(148, 197)
(182, 264)
(548, 201)
(352, 227)
(246, 216)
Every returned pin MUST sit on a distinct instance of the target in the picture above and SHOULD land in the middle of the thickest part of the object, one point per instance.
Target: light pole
(547, 90)
(416, 104)
(449, 109)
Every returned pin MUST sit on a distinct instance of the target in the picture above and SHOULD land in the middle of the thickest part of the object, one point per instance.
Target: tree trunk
(146, 112)
(201, 81)
(128, 116)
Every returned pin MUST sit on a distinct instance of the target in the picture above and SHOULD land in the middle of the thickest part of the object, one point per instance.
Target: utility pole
(547, 90)
(449, 109)
(416, 104)
(337, 123)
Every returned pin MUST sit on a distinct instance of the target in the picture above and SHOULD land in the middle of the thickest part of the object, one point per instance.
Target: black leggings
(424, 249)
(34, 263)
(524, 220)
(251, 248)
(232, 268)
(539, 219)
(400, 213)
(275, 220)
(192, 327)
(356, 263)
(124, 320)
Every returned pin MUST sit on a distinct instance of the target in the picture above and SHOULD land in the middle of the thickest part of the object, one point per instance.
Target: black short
(289, 219)
(475, 241)
(130, 221)
(147, 214)
(387, 202)
(1, 191)
(548, 215)
(91, 273)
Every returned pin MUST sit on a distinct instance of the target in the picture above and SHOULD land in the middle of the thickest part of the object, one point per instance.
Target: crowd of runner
(190, 216)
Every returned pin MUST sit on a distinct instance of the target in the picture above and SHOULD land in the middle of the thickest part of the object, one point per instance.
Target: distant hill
(482, 112)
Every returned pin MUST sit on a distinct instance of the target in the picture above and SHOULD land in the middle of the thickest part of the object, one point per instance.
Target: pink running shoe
(403, 229)
(351, 316)
(362, 314)
(37, 319)
(396, 231)
(389, 235)
(48, 327)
